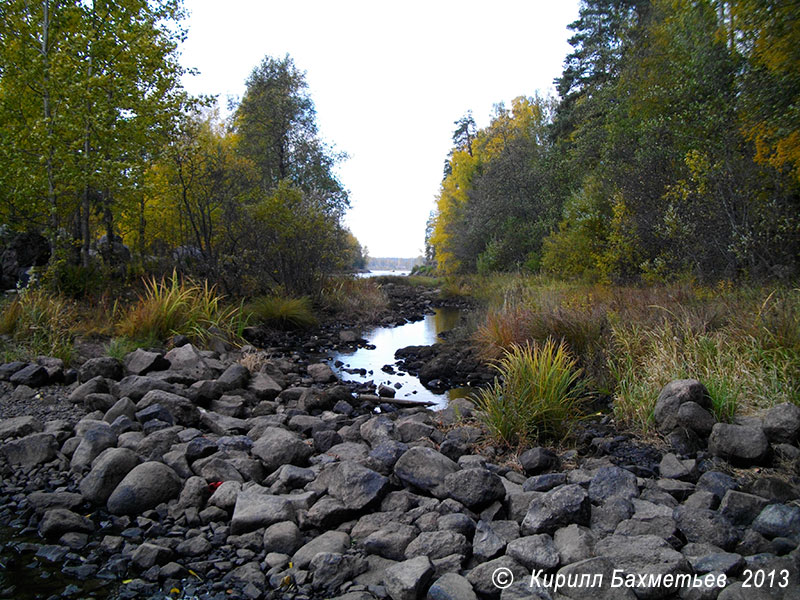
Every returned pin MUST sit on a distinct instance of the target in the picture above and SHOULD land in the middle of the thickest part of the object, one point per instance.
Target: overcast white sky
(388, 80)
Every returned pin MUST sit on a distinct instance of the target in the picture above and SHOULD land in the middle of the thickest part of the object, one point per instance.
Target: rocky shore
(253, 474)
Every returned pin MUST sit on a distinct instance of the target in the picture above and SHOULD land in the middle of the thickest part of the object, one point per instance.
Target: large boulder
(144, 487)
(355, 485)
(277, 447)
(557, 508)
(425, 469)
(257, 508)
(19, 427)
(740, 444)
(675, 394)
(31, 450)
(102, 366)
(141, 362)
(108, 470)
(97, 438)
(474, 488)
(782, 423)
(408, 579)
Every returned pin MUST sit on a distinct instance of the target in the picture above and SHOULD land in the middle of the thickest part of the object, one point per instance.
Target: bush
(181, 306)
(538, 394)
(354, 298)
(282, 312)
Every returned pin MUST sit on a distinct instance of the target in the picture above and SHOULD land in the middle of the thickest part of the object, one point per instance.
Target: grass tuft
(180, 306)
(282, 312)
(38, 323)
(537, 395)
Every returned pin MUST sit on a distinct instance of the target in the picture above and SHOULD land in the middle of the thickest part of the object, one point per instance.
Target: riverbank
(254, 473)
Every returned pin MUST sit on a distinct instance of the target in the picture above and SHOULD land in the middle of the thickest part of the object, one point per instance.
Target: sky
(388, 80)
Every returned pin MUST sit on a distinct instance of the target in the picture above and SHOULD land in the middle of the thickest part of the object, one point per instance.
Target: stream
(367, 364)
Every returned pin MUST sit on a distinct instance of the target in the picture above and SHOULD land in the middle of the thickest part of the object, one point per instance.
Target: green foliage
(282, 312)
(537, 397)
(180, 306)
(38, 323)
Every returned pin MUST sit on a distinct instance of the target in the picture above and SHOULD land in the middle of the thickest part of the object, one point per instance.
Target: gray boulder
(108, 470)
(144, 487)
(740, 444)
(103, 366)
(277, 447)
(451, 586)
(355, 485)
(437, 544)
(330, 541)
(557, 508)
(31, 450)
(141, 362)
(19, 427)
(33, 376)
(425, 469)
(782, 423)
(672, 396)
(611, 482)
(407, 580)
(474, 488)
(58, 521)
(95, 440)
(534, 552)
(256, 508)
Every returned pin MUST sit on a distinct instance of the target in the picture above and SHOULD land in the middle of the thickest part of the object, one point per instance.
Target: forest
(672, 152)
(113, 171)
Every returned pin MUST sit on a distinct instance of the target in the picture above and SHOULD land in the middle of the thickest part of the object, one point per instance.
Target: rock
(601, 568)
(108, 470)
(557, 508)
(391, 540)
(182, 409)
(672, 396)
(332, 570)
(136, 387)
(694, 417)
(31, 450)
(44, 501)
(425, 469)
(103, 366)
(544, 483)
(574, 543)
(95, 440)
(282, 537)
(738, 443)
(264, 387)
(486, 542)
(58, 521)
(437, 544)
(141, 362)
(717, 483)
(321, 373)
(534, 552)
(277, 447)
(225, 495)
(407, 580)
(194, 546)
(194, 494)
(644, 555)
(778, 520)
(234, 377)
(611, 482)
(255, 508)
(355, 485)
(19, 427)
(707, 526)
(8, 369)
(377, 430)
(740, 508)
(144, 487)
(474, 488)
(782, 423)
(148, 555)
(538, 460)
(189, 362)
(451, 586)
(486, 577)
(336, 542)
(33, 376)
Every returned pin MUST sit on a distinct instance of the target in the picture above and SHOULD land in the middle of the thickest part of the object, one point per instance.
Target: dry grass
(355, 299)
(38, 323)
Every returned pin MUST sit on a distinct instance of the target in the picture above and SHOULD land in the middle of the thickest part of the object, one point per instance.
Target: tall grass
(282, 312)
(537, 395)
(38, 323)
(358, 299)
(742, 343)
(181, 306)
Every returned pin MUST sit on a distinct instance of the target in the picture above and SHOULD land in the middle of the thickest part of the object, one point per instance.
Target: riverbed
(371, 363)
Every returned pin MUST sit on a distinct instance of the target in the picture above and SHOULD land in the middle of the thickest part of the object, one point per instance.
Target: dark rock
(738, 443)
(256, 508)
(277, 447)
(331, 570)
(717, 483)
(425, 469)
(782, 423)
(474, 488)
(33, 376)
(19, 427)
(740, 508)
(321, 373)
(535, 552)
(282, 537)
(451, 586)
(557, 508)
(675, 394)
(778, 520)
(148, 555)
(144, 487)
(481, 576)
(95, 440)
(30, 450)
(611, 482)
(331, 541)
(142, 362)
(136, 386)
(706, 526)
(437, 544)
(103, 366)
(538, 460)
(407, 580)
(234, 377)
(486, 542)
(355, 485)
(544, 483)
(391, 540)
(58, 521)
(696, 418)
(108, 470)
(8, 369)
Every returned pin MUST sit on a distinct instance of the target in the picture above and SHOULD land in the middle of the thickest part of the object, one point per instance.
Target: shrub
(538, 394)
(181, 306)
(282, 312)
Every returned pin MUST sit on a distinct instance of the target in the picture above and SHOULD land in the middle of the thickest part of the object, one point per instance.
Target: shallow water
(387, 340)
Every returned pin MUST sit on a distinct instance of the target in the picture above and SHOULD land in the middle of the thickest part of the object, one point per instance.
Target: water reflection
(387, 340)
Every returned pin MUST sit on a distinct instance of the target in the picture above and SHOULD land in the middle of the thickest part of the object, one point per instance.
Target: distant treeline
(398, 264)
(673, 151)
